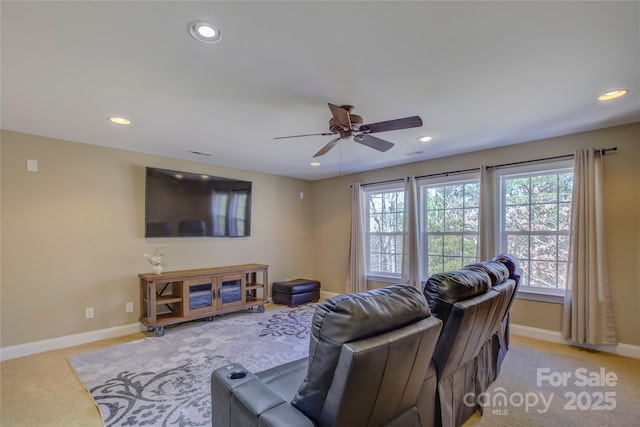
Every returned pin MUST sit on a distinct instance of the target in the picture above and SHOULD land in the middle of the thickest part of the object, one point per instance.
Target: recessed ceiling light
(315, 164)
(119, 120)
(424, 138)
(205, 32)
(613, 94)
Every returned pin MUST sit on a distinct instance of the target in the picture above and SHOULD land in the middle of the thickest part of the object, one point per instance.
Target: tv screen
(182, 204)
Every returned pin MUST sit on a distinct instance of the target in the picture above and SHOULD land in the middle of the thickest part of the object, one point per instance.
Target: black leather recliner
(473, 304)
(499, 342)
(366, 366)
(368, 358)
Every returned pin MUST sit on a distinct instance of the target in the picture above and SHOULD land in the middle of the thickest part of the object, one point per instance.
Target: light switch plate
(32, 165)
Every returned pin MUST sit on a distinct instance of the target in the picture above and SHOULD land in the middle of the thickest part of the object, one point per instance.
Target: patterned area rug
(165, 381)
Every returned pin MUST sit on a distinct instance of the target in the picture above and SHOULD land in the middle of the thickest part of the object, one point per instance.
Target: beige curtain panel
(588, 316)
(412, 273)
(488, 219)
(357, 280)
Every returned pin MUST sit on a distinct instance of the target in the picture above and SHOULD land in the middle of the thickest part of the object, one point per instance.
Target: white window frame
(368, 191)
(424, 234)
(536, 293)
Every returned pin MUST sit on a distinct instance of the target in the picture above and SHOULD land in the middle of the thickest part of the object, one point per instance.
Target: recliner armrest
(285, 415)
(241, 398)
(223, 385)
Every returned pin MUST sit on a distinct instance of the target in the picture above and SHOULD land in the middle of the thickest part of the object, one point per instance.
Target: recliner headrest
(510, 261)
(497, 271)
(456, 285)
(350, 317)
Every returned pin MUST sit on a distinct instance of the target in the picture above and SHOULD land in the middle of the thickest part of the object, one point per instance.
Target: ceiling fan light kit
(346, 125)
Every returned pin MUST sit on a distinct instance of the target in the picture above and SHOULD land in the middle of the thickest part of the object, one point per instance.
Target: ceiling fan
(345, 125)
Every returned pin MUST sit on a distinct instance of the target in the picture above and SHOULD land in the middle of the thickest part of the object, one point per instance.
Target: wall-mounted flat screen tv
(182, 204)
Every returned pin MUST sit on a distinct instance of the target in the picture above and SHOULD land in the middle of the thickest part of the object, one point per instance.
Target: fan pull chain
(341, 157)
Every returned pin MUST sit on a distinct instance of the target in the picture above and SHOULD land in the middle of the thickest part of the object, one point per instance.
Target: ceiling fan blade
(397, 124)
(308, 134)
(327, 147)
(341, 115)
(373, 142)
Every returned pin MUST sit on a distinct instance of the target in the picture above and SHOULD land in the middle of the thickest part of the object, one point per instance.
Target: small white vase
(156, 269)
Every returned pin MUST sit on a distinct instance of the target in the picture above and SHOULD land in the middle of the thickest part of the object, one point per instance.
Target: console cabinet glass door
(200, 293)
(230, 291)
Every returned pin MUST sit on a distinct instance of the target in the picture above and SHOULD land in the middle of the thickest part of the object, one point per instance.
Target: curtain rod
(422, 176)
(448, 173)
(385, 182)
(602, 151)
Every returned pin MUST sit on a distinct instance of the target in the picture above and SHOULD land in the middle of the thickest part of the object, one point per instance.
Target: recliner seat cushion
(346, 318)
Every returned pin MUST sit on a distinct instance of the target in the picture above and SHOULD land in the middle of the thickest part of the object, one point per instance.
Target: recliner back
(468, 327)
(471, 309)
(352, 333)
(472, 312)
(377, 379)
(488, 363)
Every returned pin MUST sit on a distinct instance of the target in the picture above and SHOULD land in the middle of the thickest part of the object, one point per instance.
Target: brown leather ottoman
(294, 292)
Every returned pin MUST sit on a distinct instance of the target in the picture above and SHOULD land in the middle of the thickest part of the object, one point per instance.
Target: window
(535, 209)
(533, 222)
(449, 212)
(384, 238)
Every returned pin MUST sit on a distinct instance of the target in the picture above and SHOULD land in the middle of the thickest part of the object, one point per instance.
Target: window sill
(384, 279)
(539, 296)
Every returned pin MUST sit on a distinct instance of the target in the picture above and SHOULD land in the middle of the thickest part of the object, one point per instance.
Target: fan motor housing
(336, 127)
(356, 121)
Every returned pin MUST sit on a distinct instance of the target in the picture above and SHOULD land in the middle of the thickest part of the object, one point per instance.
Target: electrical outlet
(88, 313)
(129, 307)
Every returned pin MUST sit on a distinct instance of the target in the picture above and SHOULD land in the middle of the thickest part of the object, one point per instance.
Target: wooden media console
(179, 296)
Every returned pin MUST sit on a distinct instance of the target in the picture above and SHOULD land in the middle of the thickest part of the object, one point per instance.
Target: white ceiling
(480, 74)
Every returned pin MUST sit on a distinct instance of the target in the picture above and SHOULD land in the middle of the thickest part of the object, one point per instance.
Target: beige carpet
(42, 390)
(557, 385)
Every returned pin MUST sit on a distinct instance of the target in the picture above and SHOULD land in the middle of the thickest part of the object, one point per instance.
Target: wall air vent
(200, 153)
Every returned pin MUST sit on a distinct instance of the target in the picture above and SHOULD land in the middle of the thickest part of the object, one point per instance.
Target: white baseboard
(627, 350)
(28, 349)
(21, 350)
(327, 295)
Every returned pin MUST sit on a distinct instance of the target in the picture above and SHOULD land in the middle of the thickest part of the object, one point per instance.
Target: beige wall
(332, 216)
(73, 234)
